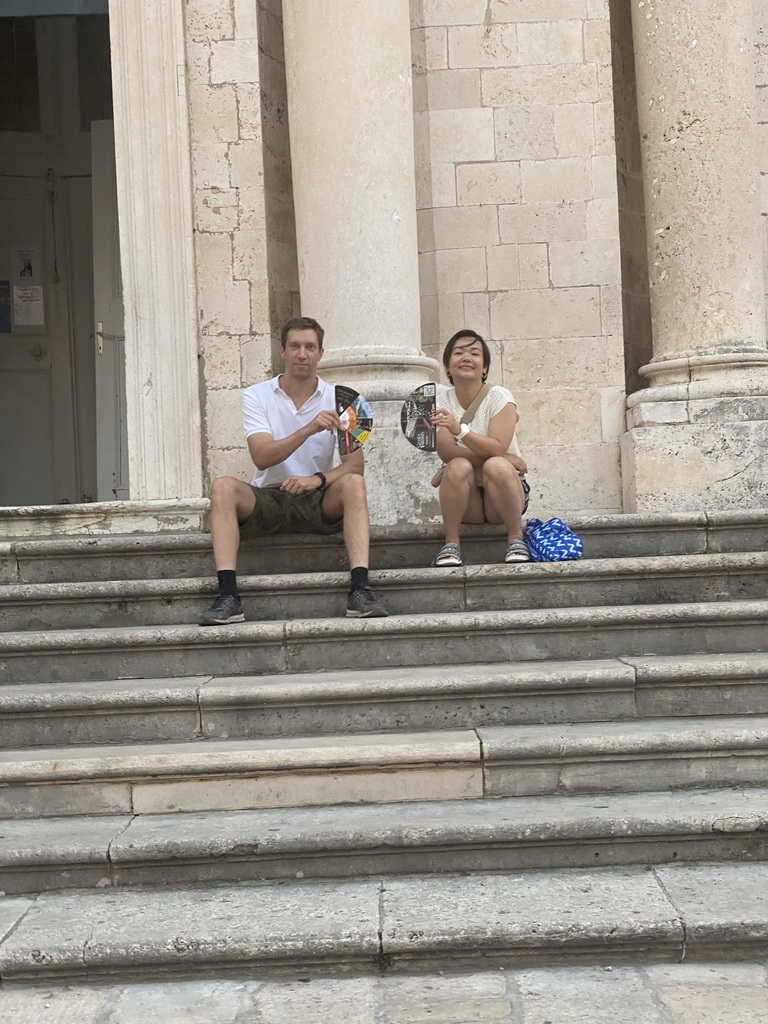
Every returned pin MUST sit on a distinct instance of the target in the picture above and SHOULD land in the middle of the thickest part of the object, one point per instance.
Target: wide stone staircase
(534, 762)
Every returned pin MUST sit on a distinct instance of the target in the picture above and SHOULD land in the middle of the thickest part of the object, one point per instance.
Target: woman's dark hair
(467, 334)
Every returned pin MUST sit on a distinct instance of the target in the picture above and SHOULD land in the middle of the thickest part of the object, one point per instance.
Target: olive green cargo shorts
(278, 511)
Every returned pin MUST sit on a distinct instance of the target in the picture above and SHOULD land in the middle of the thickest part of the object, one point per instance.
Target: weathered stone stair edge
(670, 912)
(379, 768)
(597, 569)
(450, 623)
(44, 714)
(508, 833)
(109, 513)
(452, 638)
(503, 678)
(604, 536)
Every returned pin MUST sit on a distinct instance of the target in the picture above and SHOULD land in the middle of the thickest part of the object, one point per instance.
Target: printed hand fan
(416, 417)
(356, 419)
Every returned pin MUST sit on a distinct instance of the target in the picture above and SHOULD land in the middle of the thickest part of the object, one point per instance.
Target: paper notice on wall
(26, 278)
(25, 265)
(5, 307)
(28, 310)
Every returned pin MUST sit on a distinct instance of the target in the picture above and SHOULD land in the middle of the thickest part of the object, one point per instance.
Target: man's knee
(228, 493)
(224, 490)
(352, 488)
(458, 470)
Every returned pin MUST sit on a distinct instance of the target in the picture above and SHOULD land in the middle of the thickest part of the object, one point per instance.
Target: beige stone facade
(536, 195)
(519, 228)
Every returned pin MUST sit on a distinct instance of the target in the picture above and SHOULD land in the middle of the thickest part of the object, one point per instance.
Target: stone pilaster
(154, 190)
(698, 433)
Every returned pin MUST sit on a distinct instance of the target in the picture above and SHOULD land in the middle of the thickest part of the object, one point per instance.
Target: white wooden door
(38, 450)
(42, 196)
(111, 429)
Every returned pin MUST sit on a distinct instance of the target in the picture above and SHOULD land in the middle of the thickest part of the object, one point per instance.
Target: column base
(700, 454)
(397, 475)
(377, 375)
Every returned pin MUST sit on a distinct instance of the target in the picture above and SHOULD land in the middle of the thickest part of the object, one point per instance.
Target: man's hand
(519, 465)
(325, 420)
(300, 484)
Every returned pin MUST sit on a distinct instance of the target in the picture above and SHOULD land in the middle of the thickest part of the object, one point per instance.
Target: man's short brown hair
(302, 323)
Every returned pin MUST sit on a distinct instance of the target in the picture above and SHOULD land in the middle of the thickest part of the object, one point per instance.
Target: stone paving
(651, 994)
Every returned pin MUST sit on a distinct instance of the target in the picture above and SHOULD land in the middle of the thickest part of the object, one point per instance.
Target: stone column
(154, 191)
(350, 107)
(696, 431)
(350, 104)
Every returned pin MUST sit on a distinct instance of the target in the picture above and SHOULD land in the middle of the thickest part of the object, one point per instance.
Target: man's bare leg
(232, 502)
(346, 497)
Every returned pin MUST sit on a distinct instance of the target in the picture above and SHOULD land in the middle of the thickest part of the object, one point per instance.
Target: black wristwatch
(322, 481)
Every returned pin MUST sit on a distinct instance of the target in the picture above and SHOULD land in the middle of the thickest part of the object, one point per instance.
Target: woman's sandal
(449, 554)
(517, 551)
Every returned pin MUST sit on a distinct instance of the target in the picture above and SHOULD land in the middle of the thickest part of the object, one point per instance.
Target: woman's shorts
(278, 511)
(526, 487)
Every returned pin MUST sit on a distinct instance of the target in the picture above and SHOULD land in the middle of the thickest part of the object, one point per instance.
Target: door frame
(155, 203)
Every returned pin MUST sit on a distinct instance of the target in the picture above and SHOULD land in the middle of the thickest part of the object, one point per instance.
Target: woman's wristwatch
(322, 481)
(464, 429)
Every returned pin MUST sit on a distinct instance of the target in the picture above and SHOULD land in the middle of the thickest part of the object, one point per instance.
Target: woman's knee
(498, 469)
(458, 470)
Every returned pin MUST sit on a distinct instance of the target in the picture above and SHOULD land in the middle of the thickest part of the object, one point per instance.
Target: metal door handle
(101, 335)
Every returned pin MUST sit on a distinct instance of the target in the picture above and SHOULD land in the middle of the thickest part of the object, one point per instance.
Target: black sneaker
(362, 604)
(226, 608)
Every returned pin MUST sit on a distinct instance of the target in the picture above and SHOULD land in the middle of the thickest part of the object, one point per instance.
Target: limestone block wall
(518, 222)
(244, 234)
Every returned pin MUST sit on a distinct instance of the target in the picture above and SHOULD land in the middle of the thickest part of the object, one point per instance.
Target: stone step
(663, 579)
(235, 774)
(421, 698)
(521, 760)
(673, 911)
(526, 833)
(152, 555)
(457, 638)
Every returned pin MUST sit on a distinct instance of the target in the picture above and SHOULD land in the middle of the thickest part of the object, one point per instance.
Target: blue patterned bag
(552, 541)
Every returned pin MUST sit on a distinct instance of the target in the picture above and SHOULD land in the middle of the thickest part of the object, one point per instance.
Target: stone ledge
(100, 518)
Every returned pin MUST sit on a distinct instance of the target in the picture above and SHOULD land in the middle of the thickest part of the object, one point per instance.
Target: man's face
(301, 354)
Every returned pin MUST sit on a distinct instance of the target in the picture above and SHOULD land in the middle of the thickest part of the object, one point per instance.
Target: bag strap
(469, 413)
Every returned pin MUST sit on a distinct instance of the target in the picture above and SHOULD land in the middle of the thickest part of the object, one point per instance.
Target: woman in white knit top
(483, 473)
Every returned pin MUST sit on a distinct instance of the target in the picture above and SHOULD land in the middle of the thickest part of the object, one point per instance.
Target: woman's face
(466, 360)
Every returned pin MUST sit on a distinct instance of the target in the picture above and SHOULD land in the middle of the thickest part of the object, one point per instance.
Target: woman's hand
(444, 418)
(519, 465)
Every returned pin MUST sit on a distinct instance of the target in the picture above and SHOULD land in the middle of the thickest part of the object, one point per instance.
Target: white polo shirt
(268, 410)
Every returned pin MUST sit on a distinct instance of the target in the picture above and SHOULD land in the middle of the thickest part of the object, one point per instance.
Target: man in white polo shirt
(290, 427)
